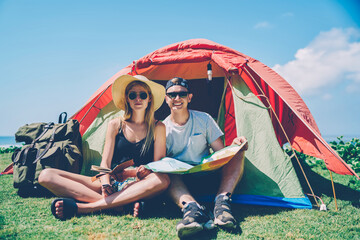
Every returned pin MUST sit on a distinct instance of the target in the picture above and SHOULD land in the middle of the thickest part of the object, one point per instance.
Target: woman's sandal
(69, 208)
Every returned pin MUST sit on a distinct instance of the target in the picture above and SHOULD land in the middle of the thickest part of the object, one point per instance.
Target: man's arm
(217, 145)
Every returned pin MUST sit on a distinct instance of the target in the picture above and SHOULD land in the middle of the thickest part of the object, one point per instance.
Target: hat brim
(120, 84)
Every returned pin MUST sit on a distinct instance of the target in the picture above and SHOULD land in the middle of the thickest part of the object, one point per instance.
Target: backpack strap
(61, 120)
(26, 151)
(46, 128)
(48, 146)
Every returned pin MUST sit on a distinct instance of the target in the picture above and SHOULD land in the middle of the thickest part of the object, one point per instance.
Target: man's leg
(179, 192)
(195, 218)
(231, 175)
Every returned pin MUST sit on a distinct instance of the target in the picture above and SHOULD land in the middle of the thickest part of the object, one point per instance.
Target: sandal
(69, 208)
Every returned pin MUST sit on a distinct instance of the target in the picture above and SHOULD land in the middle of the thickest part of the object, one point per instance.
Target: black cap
(177, 81)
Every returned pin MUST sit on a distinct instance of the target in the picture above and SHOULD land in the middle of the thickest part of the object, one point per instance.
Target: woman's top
(125, 150)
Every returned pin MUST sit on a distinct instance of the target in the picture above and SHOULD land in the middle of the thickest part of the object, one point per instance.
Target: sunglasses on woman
(142, 95)
(174, 94)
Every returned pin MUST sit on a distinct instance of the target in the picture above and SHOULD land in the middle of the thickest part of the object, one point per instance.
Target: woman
(134, 136)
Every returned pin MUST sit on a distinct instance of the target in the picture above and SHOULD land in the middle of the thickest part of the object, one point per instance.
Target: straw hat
(120, 84)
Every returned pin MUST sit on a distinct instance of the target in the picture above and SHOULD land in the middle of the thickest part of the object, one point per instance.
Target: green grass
(30, 218)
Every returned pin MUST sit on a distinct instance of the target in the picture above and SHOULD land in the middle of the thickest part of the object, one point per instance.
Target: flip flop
(69, 208)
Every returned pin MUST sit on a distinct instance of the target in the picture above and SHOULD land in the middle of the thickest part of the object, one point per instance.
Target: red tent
(291, 118)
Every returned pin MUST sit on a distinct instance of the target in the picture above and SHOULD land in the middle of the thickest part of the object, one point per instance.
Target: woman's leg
(150, 186)
(67, 184)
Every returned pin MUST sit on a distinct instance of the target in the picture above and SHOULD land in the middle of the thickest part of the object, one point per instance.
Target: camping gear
(246, 97)
(8, 170)
(47, 145)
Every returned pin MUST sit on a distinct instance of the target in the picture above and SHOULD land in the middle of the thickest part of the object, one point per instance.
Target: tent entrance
(207, 97)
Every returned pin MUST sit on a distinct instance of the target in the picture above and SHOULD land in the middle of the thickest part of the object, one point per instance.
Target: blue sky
(55, 54)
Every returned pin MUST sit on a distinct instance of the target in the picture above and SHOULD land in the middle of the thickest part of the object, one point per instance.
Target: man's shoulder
(200, 114)
(167, 120)
(201, 117)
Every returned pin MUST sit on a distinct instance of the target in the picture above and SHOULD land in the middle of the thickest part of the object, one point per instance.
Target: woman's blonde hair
(149, 114)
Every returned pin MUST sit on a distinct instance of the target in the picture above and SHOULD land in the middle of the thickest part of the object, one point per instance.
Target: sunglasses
(142, 95)
(174, 94)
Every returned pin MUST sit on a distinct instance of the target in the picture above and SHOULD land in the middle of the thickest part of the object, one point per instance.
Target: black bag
(47, 145)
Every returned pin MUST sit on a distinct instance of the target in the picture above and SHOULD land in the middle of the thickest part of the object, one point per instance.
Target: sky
(55, 54)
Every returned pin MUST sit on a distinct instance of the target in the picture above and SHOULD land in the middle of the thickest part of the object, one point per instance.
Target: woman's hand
(106, 190)
(142, 172)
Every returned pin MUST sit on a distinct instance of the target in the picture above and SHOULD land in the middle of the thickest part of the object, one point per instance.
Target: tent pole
(94, 103)
(333, 187)
(318, 137)
(283, 130)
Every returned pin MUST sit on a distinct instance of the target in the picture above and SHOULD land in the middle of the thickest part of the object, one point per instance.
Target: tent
(247, 98)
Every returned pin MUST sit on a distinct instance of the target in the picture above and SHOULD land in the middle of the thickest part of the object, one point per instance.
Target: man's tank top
(125, 150)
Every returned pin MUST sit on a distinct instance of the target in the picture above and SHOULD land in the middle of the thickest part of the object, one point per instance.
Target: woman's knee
(46, 176)
(164, 180)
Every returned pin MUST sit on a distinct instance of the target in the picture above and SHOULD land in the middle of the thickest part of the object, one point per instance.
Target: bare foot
(64, 208)
(137, 209)
(59, 209)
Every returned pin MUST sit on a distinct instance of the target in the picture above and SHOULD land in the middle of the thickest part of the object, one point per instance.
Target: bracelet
(105, 185)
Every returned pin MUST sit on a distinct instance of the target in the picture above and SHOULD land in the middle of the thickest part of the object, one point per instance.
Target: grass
(30, 218)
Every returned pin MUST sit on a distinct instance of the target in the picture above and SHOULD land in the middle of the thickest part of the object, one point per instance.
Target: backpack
(47, 145)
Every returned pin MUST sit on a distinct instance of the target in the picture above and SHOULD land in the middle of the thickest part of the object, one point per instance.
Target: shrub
(8, 149)
(310, 160)
(348, 151)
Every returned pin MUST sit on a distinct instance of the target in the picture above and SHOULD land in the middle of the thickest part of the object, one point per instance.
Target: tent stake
(333, 187)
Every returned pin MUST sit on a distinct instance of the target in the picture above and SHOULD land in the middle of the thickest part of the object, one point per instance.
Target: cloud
(327, 96)
(332, 57)
(263, 25)
(288, 14)
(353, 88)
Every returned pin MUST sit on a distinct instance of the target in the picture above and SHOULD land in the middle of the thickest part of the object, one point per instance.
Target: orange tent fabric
(189, 58)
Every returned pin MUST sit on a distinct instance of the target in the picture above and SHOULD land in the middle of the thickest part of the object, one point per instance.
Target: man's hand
(142, 172)
(239, 141)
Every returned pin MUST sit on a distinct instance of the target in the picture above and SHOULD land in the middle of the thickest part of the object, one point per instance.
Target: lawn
(30, 218)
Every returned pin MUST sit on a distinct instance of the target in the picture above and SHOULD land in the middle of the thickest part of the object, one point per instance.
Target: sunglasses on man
(173, 95)
(142, 95)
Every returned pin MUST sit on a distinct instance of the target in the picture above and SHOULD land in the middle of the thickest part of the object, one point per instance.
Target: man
(188, 136)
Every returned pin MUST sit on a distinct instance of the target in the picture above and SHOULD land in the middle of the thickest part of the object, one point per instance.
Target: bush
(309, 160)
(348, 151)
(8, 149)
